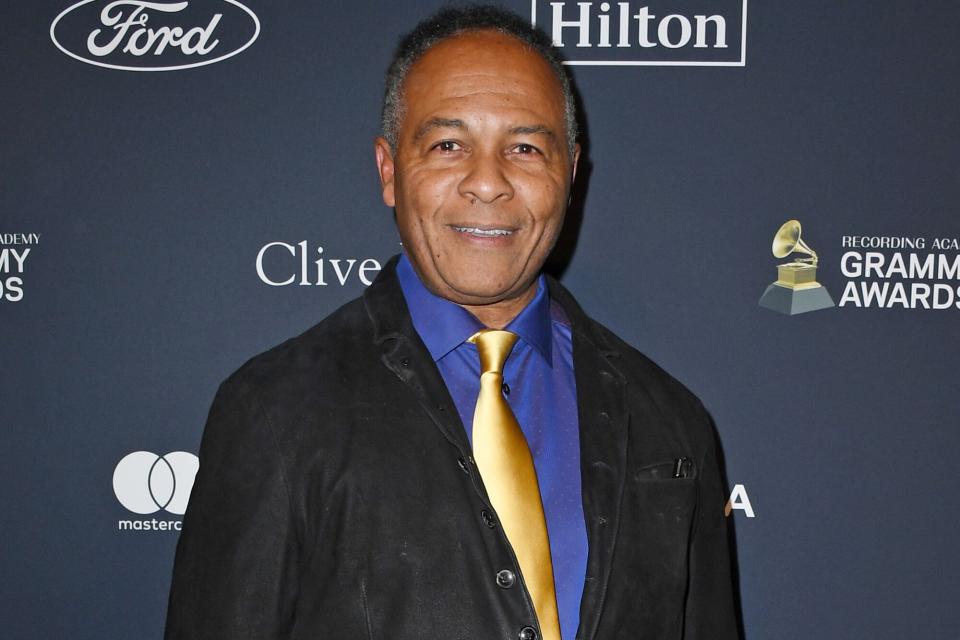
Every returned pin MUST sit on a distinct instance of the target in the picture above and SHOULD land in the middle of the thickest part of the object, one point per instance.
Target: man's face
(481, 175)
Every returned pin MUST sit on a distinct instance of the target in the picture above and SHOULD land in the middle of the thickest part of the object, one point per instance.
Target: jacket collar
(388, 311)
(386, 306)
(581, 325)
(404, 353)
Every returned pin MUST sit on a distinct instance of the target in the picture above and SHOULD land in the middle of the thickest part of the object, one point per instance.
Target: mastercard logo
(145, 482)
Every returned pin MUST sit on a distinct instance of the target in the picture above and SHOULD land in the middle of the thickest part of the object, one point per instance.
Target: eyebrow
(535, 129)
(439, 123)
(454, 123)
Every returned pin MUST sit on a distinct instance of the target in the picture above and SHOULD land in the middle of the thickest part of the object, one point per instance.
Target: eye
(447, 146)
(525, 149)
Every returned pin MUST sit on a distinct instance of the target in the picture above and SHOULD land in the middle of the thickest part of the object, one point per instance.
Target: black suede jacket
(337, 497)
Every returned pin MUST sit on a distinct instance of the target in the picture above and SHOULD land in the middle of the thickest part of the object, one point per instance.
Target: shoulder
(639, 369)
(647, 384)
(662, 404)
(309, 359)
(330, 367)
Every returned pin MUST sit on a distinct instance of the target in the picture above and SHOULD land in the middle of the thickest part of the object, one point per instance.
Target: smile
(476, 231)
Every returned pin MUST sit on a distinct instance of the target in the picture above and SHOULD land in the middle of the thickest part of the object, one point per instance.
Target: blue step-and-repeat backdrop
(185, 184)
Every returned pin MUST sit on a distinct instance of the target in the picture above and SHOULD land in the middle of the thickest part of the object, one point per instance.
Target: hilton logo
(693, 33)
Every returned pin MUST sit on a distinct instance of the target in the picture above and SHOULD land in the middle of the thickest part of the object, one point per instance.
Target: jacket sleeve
(710, 608)
(235, 574)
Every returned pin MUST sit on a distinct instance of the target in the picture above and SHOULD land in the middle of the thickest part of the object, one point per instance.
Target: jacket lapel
(604, 420)
(403, 353)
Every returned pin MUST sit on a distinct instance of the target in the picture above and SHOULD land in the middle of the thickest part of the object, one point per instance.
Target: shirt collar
(443, 325)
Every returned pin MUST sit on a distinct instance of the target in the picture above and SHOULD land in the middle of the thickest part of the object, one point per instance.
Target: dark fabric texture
(337, 497)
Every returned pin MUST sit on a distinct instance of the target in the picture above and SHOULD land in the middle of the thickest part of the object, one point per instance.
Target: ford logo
(140, 35)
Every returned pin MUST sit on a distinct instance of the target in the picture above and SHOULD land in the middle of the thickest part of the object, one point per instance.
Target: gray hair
(451, 22)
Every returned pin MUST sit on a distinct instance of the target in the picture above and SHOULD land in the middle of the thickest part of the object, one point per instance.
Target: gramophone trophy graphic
(796, 289)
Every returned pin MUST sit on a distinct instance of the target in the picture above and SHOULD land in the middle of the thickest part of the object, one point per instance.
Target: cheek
(547, 201)
(423, 197)
(426, 191)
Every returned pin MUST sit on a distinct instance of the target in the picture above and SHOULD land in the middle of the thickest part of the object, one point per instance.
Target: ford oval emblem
(153, 35)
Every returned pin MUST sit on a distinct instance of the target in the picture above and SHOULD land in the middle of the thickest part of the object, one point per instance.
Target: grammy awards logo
(796, 289)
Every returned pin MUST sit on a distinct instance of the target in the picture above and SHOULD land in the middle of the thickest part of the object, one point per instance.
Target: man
(352, 483)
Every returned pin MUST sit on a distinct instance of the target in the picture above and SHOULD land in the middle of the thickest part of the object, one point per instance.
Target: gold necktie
(506, 466)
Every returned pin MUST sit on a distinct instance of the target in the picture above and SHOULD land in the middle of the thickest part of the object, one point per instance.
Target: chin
(473, 291)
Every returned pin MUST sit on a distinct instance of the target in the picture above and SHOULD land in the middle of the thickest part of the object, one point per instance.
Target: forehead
(478, 70)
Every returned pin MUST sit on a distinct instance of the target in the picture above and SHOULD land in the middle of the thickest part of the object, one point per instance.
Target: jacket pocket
(679, 468)
(653, 546)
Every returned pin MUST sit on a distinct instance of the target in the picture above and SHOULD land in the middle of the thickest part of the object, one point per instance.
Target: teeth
(483, 232)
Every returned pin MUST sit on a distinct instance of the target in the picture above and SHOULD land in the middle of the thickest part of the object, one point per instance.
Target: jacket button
(463, 465)
(505, 388)
(505, 580)
(527, 633)
(488, 519)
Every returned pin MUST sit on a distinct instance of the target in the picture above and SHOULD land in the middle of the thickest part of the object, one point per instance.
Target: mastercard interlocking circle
(145, 483)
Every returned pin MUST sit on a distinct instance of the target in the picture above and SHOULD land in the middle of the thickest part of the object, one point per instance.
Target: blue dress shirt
(542, 394)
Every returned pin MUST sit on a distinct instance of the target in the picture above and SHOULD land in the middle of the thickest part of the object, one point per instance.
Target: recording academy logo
(140, 35)
(882, 272)
(901, 272)
(15, 248)
(146, 483)
(693, 33)
(796, 289)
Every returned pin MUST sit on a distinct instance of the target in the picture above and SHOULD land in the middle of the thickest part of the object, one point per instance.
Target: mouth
(484, 232)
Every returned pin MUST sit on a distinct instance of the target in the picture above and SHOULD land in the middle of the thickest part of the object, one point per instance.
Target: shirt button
(527, 633)
(505, 388)
(488, 518)
(506, 579)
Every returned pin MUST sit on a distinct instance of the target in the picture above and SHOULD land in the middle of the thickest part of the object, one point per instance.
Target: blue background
(154, 192)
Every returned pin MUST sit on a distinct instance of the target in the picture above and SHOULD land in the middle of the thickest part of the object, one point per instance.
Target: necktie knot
(493, 345)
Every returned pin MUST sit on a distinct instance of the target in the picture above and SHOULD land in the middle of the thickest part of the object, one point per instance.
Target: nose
(486, 179)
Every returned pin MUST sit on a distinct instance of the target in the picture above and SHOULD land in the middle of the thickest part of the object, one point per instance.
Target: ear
(385, 168)
(576, 158)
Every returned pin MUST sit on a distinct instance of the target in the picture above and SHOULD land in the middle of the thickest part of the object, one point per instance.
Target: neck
(499, 314)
